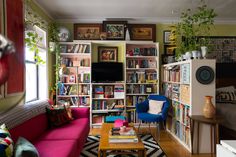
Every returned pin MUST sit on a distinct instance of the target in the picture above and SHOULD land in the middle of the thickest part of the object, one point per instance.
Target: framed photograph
(87, 31)
(107, 54)
(115, 29)
(169, 49)
(109, 92)
(142, 32)
(167, 58)
(166, 36)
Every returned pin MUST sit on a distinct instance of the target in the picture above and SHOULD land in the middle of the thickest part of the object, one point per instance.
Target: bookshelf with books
(107, 99)
(186, 96)
(74, 86)
(142, 74)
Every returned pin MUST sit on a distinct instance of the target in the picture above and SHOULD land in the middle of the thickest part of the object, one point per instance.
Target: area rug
(152, 148)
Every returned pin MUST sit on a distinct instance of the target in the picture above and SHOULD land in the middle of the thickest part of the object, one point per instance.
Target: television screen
(107, 72)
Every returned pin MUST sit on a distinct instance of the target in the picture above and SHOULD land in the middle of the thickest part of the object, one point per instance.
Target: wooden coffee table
(118, 148)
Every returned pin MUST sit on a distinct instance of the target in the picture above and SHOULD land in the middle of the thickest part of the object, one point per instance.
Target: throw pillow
(25, 149)
(155, 106)
(57, 115)
(6, 143)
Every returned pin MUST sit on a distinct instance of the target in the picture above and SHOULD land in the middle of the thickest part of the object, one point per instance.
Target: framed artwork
(143, 32)
(166, 59)
(87, 31)
(115, 29)
(166, 36)
(169, 49)
(107, 54)
(109, 92)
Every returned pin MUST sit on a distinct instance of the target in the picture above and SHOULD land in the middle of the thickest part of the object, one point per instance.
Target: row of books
(141, 63)
(109, 91)
(141, 89)
(83, 77)
(141, 51)
(132, 116)
(105, 104)
(172, 75)
(181, 113)
(123, 135)
(133, 100)
(141, 77)
(67, 89)
(75, 101)
(181, 131)
(70, 62)
(84, 89)
(74, 48)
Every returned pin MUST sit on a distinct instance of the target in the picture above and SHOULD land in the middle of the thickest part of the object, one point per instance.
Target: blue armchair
(143, 115)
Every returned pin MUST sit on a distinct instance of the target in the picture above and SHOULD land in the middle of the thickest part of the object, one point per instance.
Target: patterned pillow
(225, 97)
(25, 149)
(155, 107)
(57, 115)
(6, 143)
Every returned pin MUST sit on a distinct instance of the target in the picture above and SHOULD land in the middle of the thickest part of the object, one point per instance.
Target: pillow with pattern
(57, 115)
(6, 143)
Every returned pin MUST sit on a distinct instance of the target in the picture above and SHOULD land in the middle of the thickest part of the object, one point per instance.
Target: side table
(214, 125)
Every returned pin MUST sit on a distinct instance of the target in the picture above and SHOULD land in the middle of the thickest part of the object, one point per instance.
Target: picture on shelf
(115, 29)
(87, 31)
(169, 49)
(109, 92)
(107, 54)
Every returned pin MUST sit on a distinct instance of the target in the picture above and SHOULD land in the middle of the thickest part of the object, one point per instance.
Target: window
(36, 74)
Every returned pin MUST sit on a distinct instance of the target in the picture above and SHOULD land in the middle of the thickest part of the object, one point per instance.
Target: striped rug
(152, 148)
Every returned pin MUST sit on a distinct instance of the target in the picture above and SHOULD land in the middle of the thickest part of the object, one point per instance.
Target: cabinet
(74, 86)
(186, 95)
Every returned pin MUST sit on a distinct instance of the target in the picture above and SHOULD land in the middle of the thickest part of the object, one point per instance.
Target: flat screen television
(107, 72)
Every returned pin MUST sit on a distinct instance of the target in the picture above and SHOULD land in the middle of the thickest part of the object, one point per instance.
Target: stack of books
(123, 136)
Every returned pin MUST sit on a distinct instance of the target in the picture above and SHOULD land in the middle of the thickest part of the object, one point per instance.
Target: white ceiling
(135, 11)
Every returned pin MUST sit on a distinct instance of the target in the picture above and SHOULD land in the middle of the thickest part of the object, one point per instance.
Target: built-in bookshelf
(142, 74)
(186, 96)
(74, 86)
(140, 77)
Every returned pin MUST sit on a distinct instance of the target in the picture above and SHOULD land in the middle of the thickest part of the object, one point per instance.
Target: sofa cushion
(76, 129)
(56, 148)
(24, 148)
(30, 129)
(6, 143)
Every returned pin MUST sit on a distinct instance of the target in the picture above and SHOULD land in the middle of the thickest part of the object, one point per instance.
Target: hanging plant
(32, 39)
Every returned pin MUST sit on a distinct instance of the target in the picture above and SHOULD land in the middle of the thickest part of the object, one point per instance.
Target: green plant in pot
(192, 25)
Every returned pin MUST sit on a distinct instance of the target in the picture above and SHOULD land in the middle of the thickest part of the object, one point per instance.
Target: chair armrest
(142, 107)
(80, 112)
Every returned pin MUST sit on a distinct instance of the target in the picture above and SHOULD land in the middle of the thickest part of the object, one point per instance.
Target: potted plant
(192, 25)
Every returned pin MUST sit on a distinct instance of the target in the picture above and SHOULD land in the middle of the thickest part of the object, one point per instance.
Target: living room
(138, 78)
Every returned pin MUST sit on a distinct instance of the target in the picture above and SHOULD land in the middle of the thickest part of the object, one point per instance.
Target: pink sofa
(64, 141)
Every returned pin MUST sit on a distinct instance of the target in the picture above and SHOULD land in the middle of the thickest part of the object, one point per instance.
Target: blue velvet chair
(143, 115)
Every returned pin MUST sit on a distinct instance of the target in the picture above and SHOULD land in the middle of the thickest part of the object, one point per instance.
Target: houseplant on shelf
(192, 25)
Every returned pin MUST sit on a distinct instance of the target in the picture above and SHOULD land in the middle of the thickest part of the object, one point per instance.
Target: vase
(208, 109)
(195, 54)
(204, 51)
(188, 55)
(127, 36)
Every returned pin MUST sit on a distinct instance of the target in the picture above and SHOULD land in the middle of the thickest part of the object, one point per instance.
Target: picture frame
(142, 32)
(115, 29)
(107, 54)
(166, 36)
(166, 59)
(169, 49)
(109, 91)
(90, 31)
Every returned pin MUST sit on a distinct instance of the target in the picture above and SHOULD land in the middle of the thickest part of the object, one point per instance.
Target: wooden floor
(169, 145)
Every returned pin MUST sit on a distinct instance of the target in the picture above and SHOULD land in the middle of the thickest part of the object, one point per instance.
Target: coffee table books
(123, 135)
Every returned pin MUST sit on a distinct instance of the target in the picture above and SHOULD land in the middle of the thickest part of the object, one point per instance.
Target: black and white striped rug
(152, 148)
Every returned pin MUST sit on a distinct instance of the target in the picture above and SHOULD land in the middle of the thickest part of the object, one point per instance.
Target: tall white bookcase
(187, 97)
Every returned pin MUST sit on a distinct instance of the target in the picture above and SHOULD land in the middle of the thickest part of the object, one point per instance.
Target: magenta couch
(63, 141)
